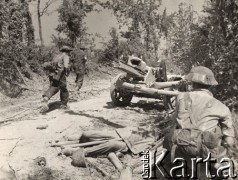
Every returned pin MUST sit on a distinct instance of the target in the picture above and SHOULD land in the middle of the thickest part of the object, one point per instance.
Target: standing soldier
(58, 71)
(79, 66)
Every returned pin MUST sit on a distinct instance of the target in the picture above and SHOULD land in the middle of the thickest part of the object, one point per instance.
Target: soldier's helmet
(201, 75)
(65, 49)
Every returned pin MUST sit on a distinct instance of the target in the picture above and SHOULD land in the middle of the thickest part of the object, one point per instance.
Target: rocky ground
(23, 143)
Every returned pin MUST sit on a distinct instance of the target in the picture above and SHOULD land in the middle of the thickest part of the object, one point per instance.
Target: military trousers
(79, 80)
(104, 148)
(56, 86)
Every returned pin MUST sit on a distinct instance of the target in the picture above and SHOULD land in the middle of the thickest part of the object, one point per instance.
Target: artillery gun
(143, 81)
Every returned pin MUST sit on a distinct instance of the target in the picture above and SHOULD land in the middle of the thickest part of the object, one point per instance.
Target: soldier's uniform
(201, 121)
(79, 67)
(58, 70)
(133, 141)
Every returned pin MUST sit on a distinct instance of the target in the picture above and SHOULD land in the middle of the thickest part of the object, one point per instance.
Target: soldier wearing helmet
(200, 119)
(79, 65)
(58, 71)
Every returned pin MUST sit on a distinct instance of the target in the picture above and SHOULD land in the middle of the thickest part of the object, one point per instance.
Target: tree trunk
(39, 22)
(1, 31)
(29, 36)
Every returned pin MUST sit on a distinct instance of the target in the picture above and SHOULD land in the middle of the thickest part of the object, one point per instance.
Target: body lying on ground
(134, 140)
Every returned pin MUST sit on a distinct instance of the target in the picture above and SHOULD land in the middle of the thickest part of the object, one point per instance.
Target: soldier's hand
(229, 141)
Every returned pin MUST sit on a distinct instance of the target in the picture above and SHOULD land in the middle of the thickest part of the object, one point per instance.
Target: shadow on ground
(101, 119)
(53, 106)
(141, 104)
(148, 106)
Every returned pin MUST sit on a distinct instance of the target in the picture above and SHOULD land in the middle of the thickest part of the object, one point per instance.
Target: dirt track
(22, 142)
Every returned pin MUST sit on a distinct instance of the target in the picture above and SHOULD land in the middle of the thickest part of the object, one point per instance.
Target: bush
(19, 61)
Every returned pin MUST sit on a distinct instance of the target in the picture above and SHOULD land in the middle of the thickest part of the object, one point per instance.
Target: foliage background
(183, 39)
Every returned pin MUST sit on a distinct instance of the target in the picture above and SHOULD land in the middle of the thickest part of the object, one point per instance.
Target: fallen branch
(76, 145)
(10, 154)
(95, 166)
(65, 143)
(9, 139)
(16, 114)
(20, 73)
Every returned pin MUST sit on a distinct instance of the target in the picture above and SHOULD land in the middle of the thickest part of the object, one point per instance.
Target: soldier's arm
(181, 107)
(66, 64)
(66, 61)
(227, 127)
(226, 123)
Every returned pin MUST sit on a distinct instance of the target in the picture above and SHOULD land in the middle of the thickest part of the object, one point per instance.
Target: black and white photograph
(118, 89)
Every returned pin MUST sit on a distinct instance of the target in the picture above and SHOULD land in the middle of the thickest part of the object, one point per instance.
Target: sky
(96, 22)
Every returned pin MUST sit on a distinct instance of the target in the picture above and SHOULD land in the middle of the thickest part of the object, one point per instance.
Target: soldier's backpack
(195, 142)
(58, 65)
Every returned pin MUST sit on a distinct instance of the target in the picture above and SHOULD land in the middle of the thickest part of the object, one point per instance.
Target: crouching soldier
(58, 71)
(203, 123)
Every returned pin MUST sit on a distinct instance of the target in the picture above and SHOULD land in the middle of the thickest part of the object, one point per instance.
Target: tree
(142, 19)
(222, 33)
(72, 28)
(40, 13)
(210, 41)
(28, 28)
(39, 22)
(181, 37)
(111, 48)
(12, 44)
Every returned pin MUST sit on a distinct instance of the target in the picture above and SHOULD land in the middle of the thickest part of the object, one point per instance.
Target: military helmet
(65, 49)
(201, 75)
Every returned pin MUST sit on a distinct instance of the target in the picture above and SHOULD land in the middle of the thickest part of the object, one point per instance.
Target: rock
(40, 161)
(42, 126)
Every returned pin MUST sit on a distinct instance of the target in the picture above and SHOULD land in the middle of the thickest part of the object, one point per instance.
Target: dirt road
(21, 141)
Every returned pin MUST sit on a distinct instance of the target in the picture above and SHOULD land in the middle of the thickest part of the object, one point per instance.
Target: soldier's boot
(44, 105)
(64, 106)
(78, 158)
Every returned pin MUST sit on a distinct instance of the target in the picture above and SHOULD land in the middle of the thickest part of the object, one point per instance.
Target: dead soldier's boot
(44, 105)
(78, 158)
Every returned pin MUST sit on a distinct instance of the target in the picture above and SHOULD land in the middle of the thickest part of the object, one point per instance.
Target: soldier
(79, 67)
(135, 140)
(203, 123)
(58, 71)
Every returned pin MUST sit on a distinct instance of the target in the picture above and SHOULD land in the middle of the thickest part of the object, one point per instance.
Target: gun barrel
(150, 91)
(161, 85)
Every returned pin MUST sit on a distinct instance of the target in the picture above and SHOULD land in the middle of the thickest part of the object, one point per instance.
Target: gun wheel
(120, 98)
